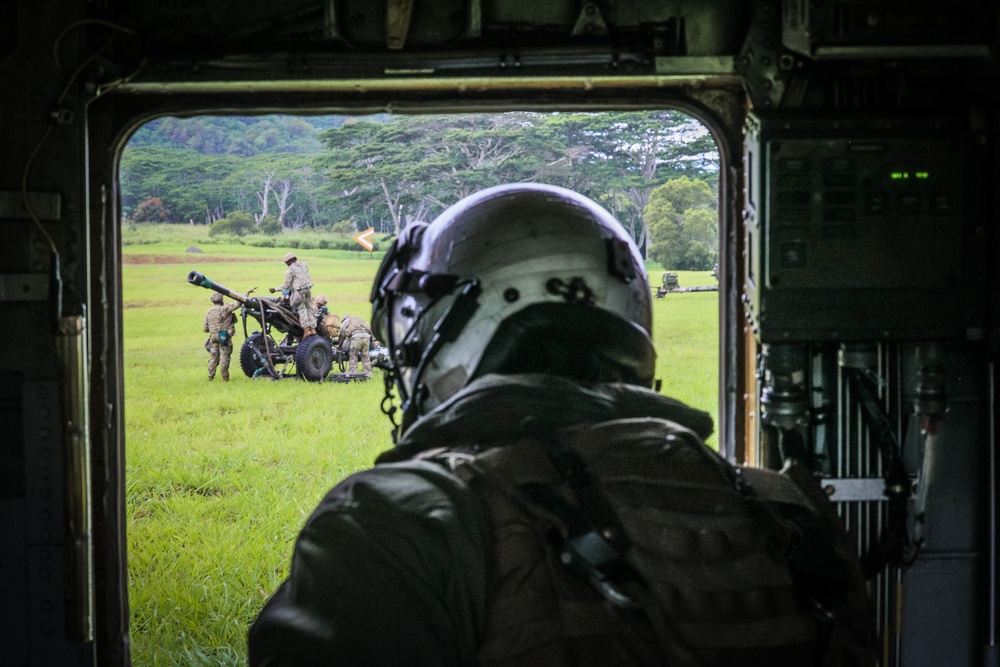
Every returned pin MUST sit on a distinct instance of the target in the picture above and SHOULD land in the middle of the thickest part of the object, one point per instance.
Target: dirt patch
(193, 258)
(126, 305)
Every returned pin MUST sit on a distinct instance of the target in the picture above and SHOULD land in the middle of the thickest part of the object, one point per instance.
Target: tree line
(655, 171)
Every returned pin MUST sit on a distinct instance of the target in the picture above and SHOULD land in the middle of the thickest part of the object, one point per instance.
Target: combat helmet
(515, 278)
(290, 257)
(321, 300)
(216, 297)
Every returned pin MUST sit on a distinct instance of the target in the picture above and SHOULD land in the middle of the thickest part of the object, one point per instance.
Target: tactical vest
(297, 277)
(221, 318)
(629, 542)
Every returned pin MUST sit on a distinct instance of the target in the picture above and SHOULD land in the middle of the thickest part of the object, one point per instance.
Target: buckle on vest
(594, 556)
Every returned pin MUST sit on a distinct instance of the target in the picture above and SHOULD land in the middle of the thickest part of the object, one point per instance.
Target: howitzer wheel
(313, 358)
(250, 362)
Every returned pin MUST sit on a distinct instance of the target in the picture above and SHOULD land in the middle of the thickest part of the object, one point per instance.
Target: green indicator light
(922, 174)
(897, 175)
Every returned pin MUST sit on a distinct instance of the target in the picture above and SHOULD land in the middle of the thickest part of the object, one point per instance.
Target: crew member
(328, 324)
(358, 335)
(542, 504)
(220, 325)
(298, 288)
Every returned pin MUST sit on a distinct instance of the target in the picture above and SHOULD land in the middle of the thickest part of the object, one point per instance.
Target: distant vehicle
(672, 284)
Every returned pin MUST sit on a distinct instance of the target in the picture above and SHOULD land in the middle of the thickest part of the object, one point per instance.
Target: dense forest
(657, 172)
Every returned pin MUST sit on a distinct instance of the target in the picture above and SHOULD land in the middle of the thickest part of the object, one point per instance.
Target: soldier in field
(328, 323)
(220, 325)
(358, 334)
(298, 288)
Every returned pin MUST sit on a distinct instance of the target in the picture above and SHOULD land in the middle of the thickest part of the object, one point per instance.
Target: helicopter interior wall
(64, 128)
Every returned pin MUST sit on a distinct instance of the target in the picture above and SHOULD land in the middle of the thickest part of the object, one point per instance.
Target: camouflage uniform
(326, 324)
(359, 333)
(298, 284)
(220, 318)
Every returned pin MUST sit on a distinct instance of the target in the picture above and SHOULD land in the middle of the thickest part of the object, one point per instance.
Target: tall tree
(281, 194)
(631, 152)
(422, 164)
(264, 194)
(383, 171)
(683, 223)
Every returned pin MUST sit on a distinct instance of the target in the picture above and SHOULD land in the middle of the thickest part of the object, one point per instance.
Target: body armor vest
(649, 549)
(221, 318)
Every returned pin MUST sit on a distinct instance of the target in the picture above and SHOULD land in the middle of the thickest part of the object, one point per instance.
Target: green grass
(221, 476)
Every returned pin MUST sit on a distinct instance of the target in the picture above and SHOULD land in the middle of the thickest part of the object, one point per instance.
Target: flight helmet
(519, 278)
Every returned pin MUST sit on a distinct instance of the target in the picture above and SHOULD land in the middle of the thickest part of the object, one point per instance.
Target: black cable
(890, 549)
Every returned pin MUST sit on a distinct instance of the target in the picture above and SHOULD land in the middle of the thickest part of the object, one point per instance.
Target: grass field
(221, 476)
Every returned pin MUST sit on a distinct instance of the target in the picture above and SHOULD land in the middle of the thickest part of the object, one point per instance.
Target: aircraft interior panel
(859, 280)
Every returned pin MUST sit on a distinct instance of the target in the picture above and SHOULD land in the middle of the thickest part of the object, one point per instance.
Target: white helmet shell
(514, 260)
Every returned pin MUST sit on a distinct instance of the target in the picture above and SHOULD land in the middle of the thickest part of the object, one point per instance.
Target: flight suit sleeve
(388, 570)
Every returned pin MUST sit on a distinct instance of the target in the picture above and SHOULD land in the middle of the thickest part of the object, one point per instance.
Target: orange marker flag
(364, 239)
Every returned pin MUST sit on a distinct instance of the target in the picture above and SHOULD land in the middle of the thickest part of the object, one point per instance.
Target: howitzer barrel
(201, 280)
(264, 310)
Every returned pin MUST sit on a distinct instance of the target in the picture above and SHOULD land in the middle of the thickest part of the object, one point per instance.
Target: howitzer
(672, 285)
(260, 355)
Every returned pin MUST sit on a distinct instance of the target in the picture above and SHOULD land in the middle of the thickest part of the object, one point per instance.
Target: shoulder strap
(527, 476)
(534, 470)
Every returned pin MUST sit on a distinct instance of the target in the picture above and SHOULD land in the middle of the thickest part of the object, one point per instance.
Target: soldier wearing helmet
(298, 288)
(327, 323)
(357, 335)
(220, 325)
(543, 505)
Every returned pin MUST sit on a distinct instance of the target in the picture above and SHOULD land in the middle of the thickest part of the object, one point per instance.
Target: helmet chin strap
(445, 331)
(387, 407)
